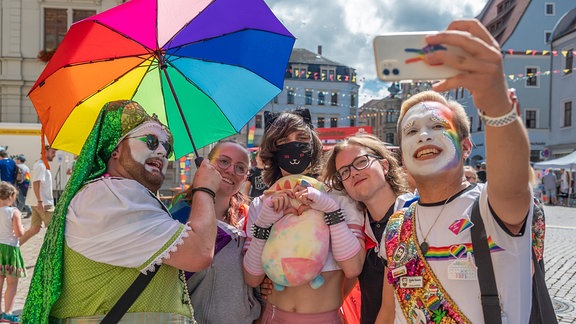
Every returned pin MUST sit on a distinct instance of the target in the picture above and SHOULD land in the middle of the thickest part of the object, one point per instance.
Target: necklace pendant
(424, 247)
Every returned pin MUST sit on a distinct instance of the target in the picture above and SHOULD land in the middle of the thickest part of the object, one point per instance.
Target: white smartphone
(399, 57)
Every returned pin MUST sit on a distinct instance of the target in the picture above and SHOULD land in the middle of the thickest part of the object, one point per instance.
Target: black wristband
(334, 217)
(260, 232)
(206, 190)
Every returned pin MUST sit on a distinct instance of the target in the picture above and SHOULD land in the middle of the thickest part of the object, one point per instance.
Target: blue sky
(345, 28)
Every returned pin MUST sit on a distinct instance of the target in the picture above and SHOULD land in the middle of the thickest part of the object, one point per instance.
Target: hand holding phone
(399, 56)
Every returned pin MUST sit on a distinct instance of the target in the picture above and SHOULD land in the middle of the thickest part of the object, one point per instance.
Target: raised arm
(507, 145)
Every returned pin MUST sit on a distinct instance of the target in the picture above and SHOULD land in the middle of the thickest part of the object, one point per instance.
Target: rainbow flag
(251, 136)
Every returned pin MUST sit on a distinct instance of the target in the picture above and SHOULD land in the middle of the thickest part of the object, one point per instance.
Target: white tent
(565, 162)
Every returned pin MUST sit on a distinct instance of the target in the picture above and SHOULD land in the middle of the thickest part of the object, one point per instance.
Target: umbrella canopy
(205, 67)
(565, 162)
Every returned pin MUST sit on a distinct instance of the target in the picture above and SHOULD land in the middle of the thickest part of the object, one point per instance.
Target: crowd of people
(237, 244)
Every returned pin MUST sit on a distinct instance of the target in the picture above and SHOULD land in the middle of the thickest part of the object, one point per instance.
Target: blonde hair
(7, 190)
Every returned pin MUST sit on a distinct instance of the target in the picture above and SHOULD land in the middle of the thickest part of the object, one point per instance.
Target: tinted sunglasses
(152, 143)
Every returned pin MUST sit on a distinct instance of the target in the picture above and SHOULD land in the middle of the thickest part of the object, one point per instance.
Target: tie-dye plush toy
(297, 248)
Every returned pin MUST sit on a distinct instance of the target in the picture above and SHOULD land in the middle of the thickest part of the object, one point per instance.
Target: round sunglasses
(152, 143)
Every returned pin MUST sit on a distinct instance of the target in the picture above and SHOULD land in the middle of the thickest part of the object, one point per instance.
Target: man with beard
(109, 227)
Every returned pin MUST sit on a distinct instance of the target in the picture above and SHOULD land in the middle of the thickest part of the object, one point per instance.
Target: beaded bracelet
(204, 189)
(501, 120)
(334, 217)
(260, 232)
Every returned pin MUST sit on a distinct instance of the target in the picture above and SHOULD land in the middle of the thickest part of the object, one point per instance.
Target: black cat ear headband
(270, 117)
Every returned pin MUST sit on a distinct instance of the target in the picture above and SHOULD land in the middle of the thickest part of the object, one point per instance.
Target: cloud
(345, 28)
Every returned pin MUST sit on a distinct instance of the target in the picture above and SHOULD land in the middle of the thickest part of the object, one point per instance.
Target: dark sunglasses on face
(152, 143)
(359, 163)
(239, 168)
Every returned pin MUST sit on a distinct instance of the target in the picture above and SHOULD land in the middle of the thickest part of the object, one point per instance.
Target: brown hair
(462, 123)
(285, 124)
(396, 177)
(236, 201)
(7, 190)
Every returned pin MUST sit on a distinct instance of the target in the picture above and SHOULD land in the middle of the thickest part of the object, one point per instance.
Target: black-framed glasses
(360, 163)
(224, 163)
(152, 143)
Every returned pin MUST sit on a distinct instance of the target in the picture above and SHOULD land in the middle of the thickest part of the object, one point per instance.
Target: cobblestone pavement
(559, 256)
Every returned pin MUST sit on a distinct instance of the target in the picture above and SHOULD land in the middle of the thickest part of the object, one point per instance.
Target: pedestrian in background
(255, 184)
(481, 174)
(549, 181)
(40, 198)
(470, 174)
(23, 183)
(7, 167)
(12, 266)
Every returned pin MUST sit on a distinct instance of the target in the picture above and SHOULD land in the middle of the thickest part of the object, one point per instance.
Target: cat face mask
(293, 157)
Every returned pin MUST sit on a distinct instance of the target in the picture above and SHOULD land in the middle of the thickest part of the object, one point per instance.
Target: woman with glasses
(470, 174)
(368, 172)
(219, 293)
(291, 147)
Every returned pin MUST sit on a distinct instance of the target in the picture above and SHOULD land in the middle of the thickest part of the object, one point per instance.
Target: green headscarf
(115, 121)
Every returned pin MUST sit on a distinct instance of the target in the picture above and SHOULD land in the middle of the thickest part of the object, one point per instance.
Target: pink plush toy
(298, 245)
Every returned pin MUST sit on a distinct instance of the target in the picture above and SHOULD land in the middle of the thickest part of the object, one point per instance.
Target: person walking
(12, 266)
(23, 184)
(7, 167)
(432, 267)
(110, 228)
(550, 182)
(255, 184)
(40, 198)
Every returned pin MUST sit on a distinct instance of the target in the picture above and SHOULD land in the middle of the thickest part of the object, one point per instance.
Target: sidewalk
(30, 252)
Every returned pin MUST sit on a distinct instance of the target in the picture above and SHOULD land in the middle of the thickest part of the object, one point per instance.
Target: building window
(567, 114)
(471, 119)
(324, 75)
(352, 100)
(569, 61)
(352, 121)
(290, 97)
(320, 123)
(550, 10)
(530, 119)
(391, 116)
(258, 121)
(547, 35)
(276, 99)
(308, 98)
(321, 98)
(479, 129)
(390, 138)
(333, 122)
(532, 77)
(56, 23)
(334, 99)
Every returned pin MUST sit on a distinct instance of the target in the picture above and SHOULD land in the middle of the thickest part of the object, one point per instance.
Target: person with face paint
(290, 146)
(108, 227)
(219, 292)
(432, 274)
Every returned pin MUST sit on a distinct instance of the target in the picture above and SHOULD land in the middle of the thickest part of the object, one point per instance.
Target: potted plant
(46, 54)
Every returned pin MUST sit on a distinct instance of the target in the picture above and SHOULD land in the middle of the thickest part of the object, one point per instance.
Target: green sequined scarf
(115, 120)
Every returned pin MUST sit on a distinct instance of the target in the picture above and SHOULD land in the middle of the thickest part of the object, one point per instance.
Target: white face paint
(143, 155)
(430, 143)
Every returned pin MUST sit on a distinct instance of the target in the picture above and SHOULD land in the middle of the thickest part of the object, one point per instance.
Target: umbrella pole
(198, 159)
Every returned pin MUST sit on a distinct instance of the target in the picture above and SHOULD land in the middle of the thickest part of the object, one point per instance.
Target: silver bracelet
(503, 120)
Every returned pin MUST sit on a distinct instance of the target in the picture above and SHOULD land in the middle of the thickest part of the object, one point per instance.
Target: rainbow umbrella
(205, 67)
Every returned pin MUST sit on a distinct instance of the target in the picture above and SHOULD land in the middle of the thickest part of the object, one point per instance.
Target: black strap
(129, 297)
(486, 279)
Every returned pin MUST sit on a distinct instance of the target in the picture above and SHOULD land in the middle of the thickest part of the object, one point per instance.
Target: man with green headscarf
(108, 227)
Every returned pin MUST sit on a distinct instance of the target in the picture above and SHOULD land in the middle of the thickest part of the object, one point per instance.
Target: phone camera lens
(386, 72)
(395, 72)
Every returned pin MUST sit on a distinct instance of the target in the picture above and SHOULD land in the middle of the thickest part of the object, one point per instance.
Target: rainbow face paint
(430, 142)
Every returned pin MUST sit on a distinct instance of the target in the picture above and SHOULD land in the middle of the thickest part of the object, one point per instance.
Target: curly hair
(284, 125)
(237, 200)
(396, 176)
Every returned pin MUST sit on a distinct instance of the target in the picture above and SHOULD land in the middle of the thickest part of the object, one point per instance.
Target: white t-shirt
(40, 173)
(511, 256)
(6, 229)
